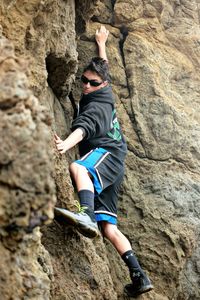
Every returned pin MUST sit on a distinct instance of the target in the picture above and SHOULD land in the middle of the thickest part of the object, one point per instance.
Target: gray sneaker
(82, 221)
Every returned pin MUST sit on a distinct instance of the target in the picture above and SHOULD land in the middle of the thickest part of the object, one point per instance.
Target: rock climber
(99, 172)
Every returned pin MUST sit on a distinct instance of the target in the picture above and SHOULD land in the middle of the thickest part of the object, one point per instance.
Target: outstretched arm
(74, 138)
(101, 37)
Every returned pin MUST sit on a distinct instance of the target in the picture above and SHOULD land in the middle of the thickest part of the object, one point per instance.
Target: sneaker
(82, 221)
(140, 284)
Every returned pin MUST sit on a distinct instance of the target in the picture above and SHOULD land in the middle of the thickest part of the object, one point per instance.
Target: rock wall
(27, 189)
(153, 51)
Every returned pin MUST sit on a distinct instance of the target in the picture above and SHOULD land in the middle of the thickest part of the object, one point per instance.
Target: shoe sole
(148, 288)
(85, 230)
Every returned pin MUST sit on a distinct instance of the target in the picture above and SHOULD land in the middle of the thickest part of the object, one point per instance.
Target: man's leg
(116, 237)
(81, 169)
(85, 219)
(84, 187)
(140, 282)
(81, 177)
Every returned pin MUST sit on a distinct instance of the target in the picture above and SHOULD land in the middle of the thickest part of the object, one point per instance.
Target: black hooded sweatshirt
(97, 117)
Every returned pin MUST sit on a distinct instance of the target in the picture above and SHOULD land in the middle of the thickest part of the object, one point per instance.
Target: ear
(104, 83)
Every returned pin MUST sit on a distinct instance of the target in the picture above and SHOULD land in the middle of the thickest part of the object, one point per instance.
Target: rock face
(27, 188)
(154, 54)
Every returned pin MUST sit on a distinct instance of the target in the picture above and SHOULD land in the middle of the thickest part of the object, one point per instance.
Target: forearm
(101, 37)
(102, 51)
(74, 138)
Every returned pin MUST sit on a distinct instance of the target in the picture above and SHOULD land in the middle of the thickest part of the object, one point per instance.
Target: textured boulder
(27, 190)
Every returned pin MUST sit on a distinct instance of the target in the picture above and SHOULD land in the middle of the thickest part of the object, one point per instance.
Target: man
(99, 172)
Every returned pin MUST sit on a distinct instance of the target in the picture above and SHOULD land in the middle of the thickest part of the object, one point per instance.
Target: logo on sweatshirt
(114, 133)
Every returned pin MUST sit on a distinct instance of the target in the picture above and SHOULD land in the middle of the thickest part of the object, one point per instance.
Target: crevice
(198, 11)
(84, 13)
(73, 103)
(59, 71)
(145, 157)
(124, 32)
(169, 159)
(6, 164)
(80, 24)
(95, 19)
(113, 3)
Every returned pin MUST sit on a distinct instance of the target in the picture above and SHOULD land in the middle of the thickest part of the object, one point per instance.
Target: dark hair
(100, 67)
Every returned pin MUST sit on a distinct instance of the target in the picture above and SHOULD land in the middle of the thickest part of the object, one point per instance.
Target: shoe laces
(81, 209)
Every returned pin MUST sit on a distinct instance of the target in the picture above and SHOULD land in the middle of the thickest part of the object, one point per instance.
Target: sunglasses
(93, 82)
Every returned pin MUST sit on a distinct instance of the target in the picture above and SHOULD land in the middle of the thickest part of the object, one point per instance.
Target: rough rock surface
(27, 189)
(154, 55)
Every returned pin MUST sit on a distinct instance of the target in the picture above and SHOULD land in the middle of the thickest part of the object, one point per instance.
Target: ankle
(90, 213)
(86, 198)
(136, 274)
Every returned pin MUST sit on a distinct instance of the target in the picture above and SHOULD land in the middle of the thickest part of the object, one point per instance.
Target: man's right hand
(60, 144)
(74, 138)
(101, 35)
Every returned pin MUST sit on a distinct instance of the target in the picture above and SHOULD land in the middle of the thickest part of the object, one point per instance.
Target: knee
(109, 230)
(76, 169)
(73, 168)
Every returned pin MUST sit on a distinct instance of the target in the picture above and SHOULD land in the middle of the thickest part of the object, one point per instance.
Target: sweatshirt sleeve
(95, 120)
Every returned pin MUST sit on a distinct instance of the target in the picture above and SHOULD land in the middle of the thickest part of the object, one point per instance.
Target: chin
(86, 92)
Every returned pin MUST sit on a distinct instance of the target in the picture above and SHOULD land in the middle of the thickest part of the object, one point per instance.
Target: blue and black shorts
(107, 180)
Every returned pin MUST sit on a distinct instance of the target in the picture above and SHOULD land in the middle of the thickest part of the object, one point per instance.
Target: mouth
(86, 90)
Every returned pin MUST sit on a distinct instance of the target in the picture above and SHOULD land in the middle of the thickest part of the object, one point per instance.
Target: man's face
(88, 79)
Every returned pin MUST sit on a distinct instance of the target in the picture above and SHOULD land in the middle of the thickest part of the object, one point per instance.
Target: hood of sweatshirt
(103, 95)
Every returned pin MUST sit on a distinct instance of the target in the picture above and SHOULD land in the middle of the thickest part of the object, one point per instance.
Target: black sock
(131, 261)
(86, 198)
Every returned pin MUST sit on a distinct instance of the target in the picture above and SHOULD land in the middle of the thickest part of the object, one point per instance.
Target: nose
(88, 85)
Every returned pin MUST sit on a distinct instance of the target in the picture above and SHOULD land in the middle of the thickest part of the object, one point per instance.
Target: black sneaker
(82, 221)
(140, 284)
